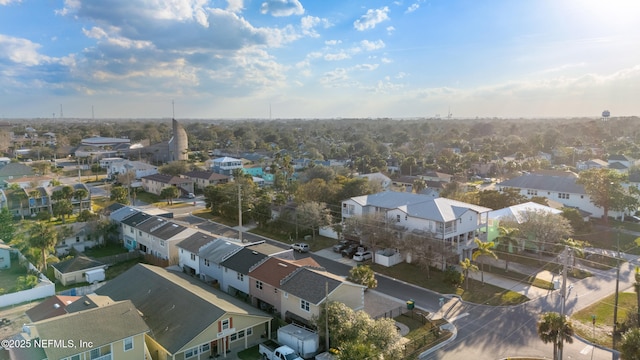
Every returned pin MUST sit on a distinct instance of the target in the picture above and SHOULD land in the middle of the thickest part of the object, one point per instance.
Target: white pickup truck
(271, 350)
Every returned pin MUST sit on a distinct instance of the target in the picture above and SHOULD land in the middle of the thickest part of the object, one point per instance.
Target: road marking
(586, 350)
(458, 317)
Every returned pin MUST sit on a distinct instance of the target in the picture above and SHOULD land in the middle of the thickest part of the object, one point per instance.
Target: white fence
(45, 288)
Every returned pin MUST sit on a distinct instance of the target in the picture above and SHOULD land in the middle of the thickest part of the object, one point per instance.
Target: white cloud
(282, 7)
(235, 5)
(21, 51)
(386, 60)
(372, 18)
(372, 45)
(332, 42)
(412, 8)
(342, 55)
(390, 30)
(309, 23)
(7, 2)
(366, 67)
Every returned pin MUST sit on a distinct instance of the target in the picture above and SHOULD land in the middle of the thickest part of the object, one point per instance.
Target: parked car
(350, 250)
(362, 255)
(191, 196)
(341, 245)
(300, 247)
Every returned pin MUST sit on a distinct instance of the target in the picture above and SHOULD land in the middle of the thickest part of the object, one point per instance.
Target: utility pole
(326, 314)
(240, 213)
(564, 297)
(615, 306)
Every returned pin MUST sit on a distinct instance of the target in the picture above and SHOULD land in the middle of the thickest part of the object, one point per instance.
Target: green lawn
(107, 250)
(477, 292)
(607, 239)
(603, 310)
(423, 334)
(251, 353)
(9, 277)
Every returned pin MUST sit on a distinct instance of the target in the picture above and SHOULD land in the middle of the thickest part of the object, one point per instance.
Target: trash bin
(410, 304)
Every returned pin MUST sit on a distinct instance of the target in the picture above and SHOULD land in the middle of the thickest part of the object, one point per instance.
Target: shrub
(453, 276)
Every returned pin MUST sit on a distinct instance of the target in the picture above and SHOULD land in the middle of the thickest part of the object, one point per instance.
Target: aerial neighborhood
(196, 240)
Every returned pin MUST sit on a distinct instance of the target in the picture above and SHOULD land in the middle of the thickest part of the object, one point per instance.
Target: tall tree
(545, 228)
(466, 265)
(507, 242)
(80, 194)
(44, 237)
(313, 215)
(120, 195)
(169, 193)
(374, 230)
(604, 187)
(7, 226)
(556, 329)
(484, 250)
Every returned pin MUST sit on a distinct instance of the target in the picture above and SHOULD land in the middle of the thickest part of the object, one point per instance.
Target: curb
(454, 334)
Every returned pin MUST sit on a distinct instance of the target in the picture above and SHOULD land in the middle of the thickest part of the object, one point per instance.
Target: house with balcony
(187, 318)
(119, 336)
(455, 223)
(118, 166)
(226, 165)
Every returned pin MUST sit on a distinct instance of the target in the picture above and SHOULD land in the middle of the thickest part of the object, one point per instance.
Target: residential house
(265, 278)
(158, 237)
(379, 178)
(113, 332)
(156, 182)
(211, 256)
(591, 164)
(123, 166)
(226, 165)
(255, 170)
(202, 179)
(405, 182)
(51, 307)
(79, 239)
(78, 204)
(74, 270)
(304, 292)
(28, 181)
(621, 163)
(189, 248)
(560, 186)
(436, 176)
(235, 278)
(456, 223)
(128, 229)
(187, 319)
(516, 213)
(12, 171)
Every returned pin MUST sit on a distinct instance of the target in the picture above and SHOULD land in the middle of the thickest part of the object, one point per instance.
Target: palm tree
(507, 240)
(43, 236)
(636, 286)
(484, 249)
(80, 194)
(555, 328)
(467, 266)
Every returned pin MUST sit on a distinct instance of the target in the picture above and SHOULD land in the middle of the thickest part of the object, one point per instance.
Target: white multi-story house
(158, 236)
(226, 165)
(189, 249)
(123, 166)
(456, 223)
(559, 186)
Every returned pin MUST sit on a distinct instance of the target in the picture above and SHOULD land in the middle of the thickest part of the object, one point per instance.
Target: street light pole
(615, 306)
(240, 213)
(564, 298)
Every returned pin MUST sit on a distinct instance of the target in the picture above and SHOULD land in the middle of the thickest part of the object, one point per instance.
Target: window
(398, 218)
(193, 256)
(131, 230)
(206, 262)
(77, 238)
(249, 331)
(128, 344)
(532, 192)
(191, 352)
(204, 348)
(225, 324)
(139, 232)
(285, 294)
(161, 243)
(304, 305)
(563, 195)
(259, 284)
(240, 277)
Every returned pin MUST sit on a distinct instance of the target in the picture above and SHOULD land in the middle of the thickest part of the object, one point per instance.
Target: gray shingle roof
(175, 306)
(194, 242)
(243, 260)
(441, 209)
(390, 199)
(559, 182)
(160, 227)
(218, 249)
(101, 326)
(136, 219)
(308, 285)
(77, 264)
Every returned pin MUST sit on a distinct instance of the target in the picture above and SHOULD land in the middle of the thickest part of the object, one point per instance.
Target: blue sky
(319, 59)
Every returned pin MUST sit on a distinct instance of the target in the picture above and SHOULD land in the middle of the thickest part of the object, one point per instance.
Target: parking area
(330, 254)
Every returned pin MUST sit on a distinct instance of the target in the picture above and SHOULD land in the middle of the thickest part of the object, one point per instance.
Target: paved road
(486, 332)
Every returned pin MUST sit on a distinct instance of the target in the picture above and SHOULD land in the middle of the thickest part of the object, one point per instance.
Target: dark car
(341, 245)
(350, 250)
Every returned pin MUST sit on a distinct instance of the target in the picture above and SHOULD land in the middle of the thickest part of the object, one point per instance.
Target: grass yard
(9, 277)
(107, 250)
(607, 238)
(477, 293)
(422, 334)
(603, 310)
(251, 353)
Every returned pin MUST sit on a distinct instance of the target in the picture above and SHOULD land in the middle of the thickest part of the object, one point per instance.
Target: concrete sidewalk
(527, 290)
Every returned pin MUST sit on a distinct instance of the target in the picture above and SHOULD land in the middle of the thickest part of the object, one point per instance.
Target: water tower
(605, 115)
